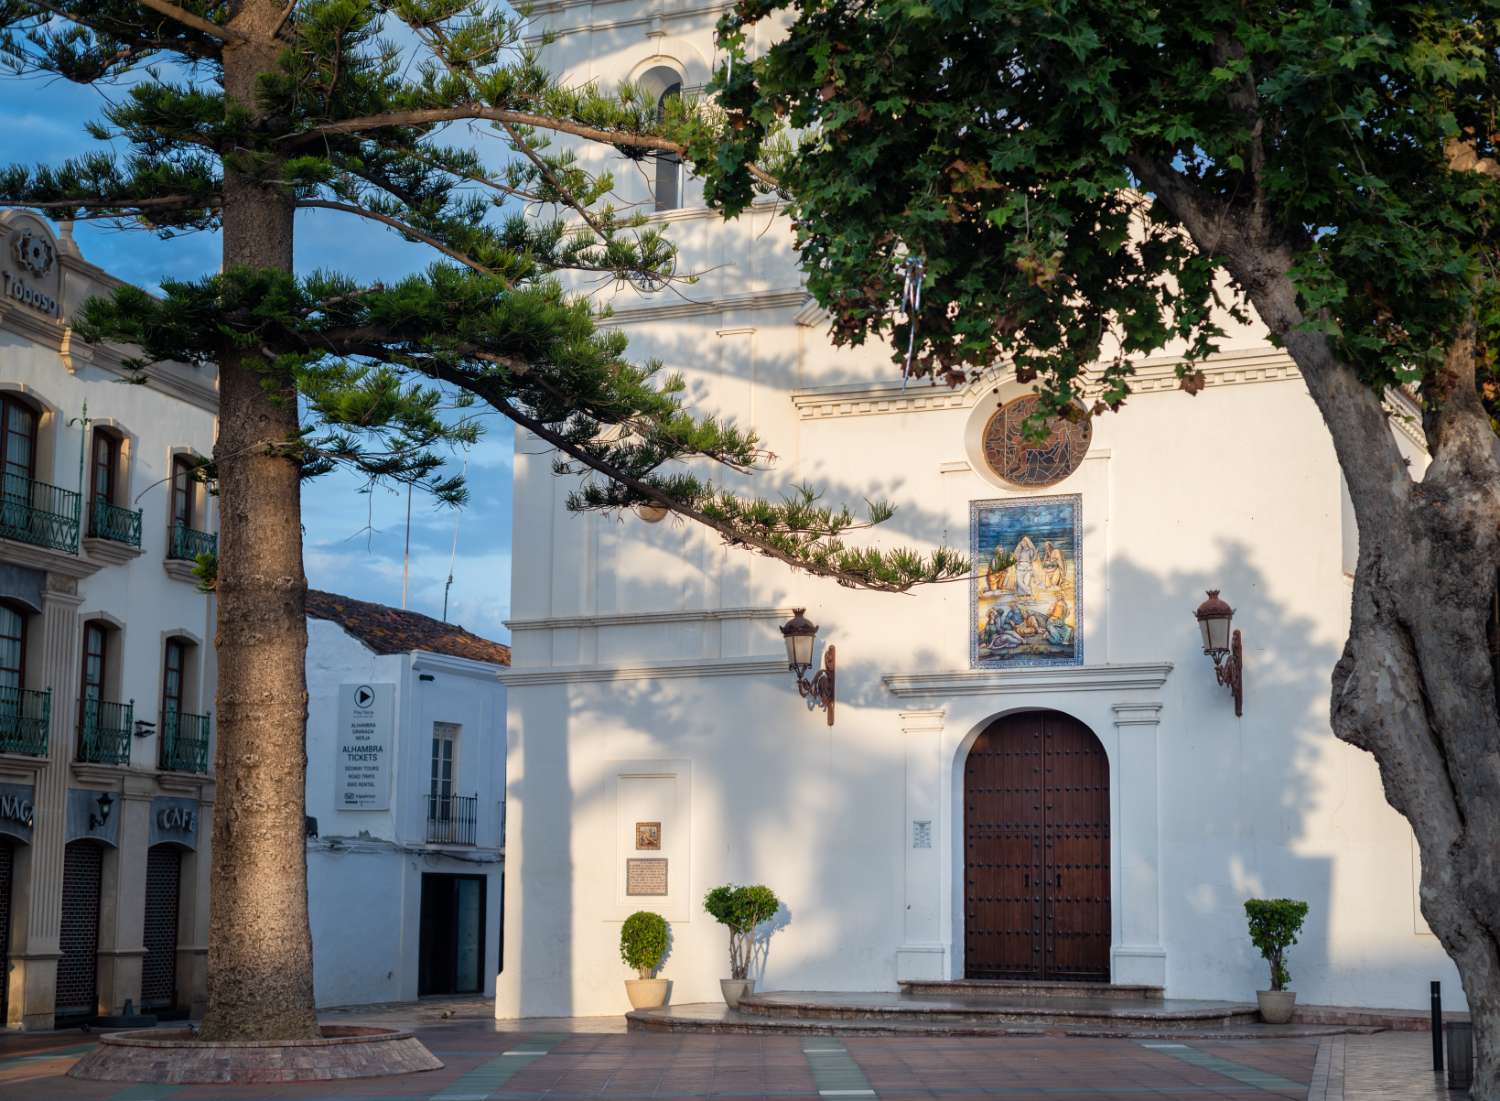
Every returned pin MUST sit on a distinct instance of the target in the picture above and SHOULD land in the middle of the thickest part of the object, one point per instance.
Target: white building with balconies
(405, 803)
(107, 672)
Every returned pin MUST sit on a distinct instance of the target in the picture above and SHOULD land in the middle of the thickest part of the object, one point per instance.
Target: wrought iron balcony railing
(452, 819)
(188, 544)
(119, 525)
(37, 513)
(24, 716)
(184, 742)
(104, 731)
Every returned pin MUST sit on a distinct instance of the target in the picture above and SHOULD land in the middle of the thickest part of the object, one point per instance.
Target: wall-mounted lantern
(105, 803)
(1222, 643)
(799, 633)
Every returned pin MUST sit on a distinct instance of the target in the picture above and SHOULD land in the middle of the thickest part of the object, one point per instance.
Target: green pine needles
(431, 119)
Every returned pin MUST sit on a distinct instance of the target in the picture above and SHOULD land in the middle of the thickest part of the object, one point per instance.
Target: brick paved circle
(174, 1056)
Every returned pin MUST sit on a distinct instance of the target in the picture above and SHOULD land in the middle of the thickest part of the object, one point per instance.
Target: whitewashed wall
(648, 652)
(365, 868)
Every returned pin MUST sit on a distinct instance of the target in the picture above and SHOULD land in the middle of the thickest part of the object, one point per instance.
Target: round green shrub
(643, 941)
(741, 909)
(1274, 925)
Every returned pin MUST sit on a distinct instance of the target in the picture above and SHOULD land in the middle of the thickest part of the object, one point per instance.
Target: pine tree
(238, 115)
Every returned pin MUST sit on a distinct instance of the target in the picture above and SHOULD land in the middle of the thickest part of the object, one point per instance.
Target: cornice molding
(862, 399)
(109, 551)
(56, 562)
(1129, 677)
(636, 619)
(557, 7)
(760, 300)
(663, 670)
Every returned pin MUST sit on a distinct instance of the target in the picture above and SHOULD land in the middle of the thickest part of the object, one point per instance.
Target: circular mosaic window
(1026, 462)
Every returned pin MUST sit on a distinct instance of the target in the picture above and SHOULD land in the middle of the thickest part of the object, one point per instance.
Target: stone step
(991, 1010)
(1029, 988)
(714, 1017)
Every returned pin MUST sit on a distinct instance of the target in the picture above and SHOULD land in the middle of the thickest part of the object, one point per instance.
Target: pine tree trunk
(259, 946)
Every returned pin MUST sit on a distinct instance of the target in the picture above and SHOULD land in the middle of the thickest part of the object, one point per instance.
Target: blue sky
(353, 541)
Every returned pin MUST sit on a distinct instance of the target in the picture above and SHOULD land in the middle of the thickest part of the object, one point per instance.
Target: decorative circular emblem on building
(1025, 462)
(33, 253)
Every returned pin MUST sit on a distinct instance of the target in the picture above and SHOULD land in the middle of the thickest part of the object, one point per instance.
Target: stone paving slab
(589, 1059)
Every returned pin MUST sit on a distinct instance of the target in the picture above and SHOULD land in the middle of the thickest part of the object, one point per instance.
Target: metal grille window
(77, 992)
(7, 862)
(159, 968)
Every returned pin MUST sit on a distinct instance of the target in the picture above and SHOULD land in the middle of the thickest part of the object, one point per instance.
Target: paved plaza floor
(554, 1060)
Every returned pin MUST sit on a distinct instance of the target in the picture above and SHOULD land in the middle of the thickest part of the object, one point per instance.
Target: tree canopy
(360, 109)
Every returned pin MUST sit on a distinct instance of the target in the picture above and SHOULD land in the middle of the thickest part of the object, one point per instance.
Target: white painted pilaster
(923, 954)
(1138, 955)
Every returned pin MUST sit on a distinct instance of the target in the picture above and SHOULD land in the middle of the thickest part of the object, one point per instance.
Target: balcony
(184, 742)
(186, 544)
(118, 525)
(452, 819)
(23, 721)
(104, 731)
(36, 513)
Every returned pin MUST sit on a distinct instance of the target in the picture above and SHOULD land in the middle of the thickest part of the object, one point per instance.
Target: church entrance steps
(1028, 988)
(714, 1017)
(996, 1008)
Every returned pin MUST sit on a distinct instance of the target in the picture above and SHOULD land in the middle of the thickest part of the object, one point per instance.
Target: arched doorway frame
(941, 718)
(1109, 740)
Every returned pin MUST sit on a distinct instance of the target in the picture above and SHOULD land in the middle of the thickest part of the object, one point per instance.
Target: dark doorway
(77, 970)
(452, 935)
(7, 874)
(1036, 851)
(159, 968)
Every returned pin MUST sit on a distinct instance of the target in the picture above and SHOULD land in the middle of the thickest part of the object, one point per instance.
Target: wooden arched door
(1036, 851)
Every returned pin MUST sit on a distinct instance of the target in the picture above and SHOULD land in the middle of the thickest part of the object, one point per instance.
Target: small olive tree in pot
(741, 909)
(643, 943)
(1274, 925)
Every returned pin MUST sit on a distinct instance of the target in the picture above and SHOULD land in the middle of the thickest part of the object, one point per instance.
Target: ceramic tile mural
(1026, 603)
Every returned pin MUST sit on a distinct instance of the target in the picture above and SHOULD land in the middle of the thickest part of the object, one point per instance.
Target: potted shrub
(741, 909)
(1274, 925)
(643, 943)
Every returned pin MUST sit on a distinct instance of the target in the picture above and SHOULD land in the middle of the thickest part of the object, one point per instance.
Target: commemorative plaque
(646, 876)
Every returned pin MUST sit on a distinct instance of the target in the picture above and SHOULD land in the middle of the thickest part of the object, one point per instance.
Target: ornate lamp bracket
(1230, 670)
(818, 690)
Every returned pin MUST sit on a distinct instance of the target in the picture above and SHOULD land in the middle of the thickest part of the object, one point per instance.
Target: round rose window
(1022, 461)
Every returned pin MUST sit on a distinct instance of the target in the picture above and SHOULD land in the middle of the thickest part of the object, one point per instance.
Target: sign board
(30, 274)
(17, 811)
(645, 877)
(174, 820)
(367, 727)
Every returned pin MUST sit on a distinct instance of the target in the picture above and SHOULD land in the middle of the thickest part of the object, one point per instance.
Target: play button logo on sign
(364, 696)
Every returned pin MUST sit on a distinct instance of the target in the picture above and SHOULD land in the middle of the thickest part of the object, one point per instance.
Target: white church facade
(1031, 774)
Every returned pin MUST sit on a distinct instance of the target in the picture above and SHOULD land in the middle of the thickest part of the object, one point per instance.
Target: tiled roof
(393, 631)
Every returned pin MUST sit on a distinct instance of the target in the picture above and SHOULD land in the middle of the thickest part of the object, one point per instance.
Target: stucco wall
(365, 868)
(651, 651)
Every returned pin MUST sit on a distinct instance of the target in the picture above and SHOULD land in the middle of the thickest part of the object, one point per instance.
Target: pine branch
(404, 228)
(196, 22)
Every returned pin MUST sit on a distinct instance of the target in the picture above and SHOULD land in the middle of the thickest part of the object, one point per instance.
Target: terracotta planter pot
(647, 993)
(1276, 1006)
(734, 990)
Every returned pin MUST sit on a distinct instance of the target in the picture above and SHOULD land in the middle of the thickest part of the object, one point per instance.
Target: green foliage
(741, 910)
(1274, 925)
(390, 378)
(643, 941)
(1008, 142)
